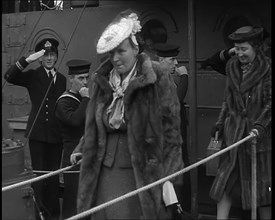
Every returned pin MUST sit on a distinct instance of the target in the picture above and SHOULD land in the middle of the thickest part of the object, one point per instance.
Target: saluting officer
(43, 132)
(70, 111)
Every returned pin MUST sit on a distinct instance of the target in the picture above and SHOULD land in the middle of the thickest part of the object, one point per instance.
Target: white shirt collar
(53, 73)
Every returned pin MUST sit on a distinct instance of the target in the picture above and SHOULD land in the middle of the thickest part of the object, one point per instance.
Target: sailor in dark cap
(167, 56)
(246, 109)
(70, 111)
(42, 129)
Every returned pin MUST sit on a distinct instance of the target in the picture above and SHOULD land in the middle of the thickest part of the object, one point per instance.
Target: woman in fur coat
(132, 134)
(246, 107)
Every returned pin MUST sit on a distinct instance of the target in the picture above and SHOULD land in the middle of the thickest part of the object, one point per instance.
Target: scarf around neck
(115, 111)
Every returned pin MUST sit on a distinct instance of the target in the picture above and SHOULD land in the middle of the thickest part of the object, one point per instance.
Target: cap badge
(48, 44)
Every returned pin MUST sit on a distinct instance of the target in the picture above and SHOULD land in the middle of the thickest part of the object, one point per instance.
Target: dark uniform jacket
(247, 104)
(152, 115)
(70, 111)
(37, 82)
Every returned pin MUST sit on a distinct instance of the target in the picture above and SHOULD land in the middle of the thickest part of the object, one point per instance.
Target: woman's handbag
(213, 147)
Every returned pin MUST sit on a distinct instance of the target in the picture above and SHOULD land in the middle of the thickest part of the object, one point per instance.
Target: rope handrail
(132, 193)
(39, 177)
(151, 185)
(47, 171)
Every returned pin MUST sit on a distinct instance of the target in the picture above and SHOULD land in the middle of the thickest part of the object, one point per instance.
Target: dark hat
(245, 33)
(77, 67)
(166, 50)
(48, 44)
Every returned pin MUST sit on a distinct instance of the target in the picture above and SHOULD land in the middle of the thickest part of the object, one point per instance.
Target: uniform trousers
(71, 179)
(46, 157)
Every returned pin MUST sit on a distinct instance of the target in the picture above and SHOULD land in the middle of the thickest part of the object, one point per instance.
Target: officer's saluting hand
(35, 56)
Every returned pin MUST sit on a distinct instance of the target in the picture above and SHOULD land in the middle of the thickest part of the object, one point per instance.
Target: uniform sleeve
(218, 61)
(79, 147)
(182, 86)
(66, 113)
(15, 74)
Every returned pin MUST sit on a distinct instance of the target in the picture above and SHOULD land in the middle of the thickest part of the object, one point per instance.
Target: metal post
(254, 180)
(193, 106)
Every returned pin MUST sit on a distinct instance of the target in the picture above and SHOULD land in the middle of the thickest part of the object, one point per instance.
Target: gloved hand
(35, 56)
(75, 157)
(181, 70)
(84, 92)
(219, 128)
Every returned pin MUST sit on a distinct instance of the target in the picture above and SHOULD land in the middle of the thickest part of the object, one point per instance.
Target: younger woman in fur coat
(132, 134)
(246, 107)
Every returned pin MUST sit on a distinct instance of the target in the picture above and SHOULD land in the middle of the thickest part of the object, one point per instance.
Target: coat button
(46, 106)
(47, 112)
(47, 119)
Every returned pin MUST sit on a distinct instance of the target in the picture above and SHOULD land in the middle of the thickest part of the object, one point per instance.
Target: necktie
(50, 76)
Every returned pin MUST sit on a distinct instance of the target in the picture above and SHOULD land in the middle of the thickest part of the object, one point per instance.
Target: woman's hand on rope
(35, 56)
(75, 157)
(259, 131)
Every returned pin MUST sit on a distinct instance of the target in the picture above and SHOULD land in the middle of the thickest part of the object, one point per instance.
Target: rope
(39, 178)
(132, 193)
(44, 171)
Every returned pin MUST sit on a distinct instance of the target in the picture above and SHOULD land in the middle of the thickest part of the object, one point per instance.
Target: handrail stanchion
(254, 180)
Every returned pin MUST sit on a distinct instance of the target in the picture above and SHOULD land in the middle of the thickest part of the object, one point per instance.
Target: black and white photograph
(135, 109)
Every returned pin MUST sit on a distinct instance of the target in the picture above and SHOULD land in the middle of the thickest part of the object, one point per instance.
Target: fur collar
(260, 67)
(145, 75)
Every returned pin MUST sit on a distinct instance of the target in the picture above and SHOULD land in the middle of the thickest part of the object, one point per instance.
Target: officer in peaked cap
(70, 111)
(167, 54)
(48, 44)
(45, 143)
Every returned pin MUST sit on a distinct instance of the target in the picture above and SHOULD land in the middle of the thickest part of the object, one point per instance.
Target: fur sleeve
(86, 178)
(172, 140)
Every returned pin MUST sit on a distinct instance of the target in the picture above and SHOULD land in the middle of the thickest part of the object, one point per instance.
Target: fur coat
(153, 129)
(247, 105)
